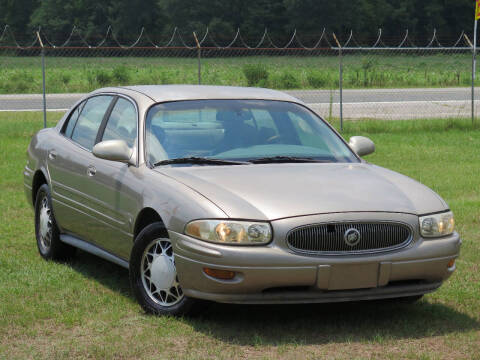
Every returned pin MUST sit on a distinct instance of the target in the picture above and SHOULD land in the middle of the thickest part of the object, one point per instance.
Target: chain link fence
(348, 80)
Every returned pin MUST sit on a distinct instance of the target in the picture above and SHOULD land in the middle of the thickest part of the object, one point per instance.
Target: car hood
(274, 191)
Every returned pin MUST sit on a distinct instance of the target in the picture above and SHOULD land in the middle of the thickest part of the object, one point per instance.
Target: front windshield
(240, 130)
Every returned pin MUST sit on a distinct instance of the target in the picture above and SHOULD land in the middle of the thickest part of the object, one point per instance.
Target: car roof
(161, 93)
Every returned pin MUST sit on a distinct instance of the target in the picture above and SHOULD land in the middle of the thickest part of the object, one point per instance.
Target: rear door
(68, 164)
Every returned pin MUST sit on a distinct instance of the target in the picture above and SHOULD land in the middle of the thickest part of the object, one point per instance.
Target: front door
(114, 185)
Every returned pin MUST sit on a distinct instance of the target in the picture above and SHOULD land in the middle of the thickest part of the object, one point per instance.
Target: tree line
(223, 17)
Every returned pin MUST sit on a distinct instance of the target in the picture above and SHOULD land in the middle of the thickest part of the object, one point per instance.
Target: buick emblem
(352, 237)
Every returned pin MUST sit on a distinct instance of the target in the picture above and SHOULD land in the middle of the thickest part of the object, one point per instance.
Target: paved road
(383, 95)
(372, 103)
(34, 102)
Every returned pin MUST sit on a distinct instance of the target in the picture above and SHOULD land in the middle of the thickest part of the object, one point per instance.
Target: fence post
(43, 78)
(474, 66)
(473, 73)
(340, 80)
(199, 50)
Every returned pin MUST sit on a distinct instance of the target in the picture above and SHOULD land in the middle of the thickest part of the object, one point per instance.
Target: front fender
(176, 203)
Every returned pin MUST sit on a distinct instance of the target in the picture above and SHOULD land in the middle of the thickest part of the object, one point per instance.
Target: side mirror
(362, 145)
(114, 150)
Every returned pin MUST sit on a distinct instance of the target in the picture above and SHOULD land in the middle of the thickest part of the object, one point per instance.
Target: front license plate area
(353, 276)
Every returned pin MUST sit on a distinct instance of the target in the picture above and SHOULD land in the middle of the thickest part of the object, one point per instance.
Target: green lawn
(84, 308)
(74, 73)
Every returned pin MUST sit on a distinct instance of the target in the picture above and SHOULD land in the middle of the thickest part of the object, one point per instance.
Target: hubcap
(159, 275)
(45, 225)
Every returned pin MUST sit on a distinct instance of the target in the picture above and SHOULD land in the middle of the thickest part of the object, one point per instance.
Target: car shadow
(105, 272)
(361, 321)
(298, 324)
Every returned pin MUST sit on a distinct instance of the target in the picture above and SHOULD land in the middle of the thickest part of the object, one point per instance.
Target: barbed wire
(8, 40)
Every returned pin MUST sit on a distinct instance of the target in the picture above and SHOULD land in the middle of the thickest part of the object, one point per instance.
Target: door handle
(91, 171)
(52, 154)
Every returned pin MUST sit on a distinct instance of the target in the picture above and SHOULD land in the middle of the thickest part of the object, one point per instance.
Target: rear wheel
(46, 231)
(153, 275)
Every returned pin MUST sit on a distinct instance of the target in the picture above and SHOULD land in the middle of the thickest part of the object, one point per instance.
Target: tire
(159, 295)
(47, 233)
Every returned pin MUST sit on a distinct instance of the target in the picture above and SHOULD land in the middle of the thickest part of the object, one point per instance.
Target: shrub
(121, 74)
(255, 73)
(19, 82)
(263, 83)
(103, 77)
(317, 79)
(65, 78)
(289, 81)
(164, 78)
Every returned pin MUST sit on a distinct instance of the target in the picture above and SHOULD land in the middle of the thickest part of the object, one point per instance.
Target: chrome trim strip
(245, 268)
(91, 216)
(82, 205)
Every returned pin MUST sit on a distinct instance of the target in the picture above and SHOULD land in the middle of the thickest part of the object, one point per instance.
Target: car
(233, 195)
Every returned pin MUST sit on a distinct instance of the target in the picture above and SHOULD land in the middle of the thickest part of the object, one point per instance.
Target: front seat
(237, 133)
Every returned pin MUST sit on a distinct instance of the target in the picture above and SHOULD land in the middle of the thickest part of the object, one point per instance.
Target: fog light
(451, 263)
(219, 274)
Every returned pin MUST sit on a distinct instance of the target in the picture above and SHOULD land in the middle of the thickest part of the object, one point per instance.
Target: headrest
(233, 115)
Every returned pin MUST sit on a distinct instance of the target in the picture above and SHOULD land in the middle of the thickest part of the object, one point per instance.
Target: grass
(84, 308)
(372, 70)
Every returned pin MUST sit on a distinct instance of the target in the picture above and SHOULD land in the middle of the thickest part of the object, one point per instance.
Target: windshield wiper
(200, 160)
(286, 159)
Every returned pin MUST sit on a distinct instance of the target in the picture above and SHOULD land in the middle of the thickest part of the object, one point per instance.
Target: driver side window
(86, 127)
(122, 123)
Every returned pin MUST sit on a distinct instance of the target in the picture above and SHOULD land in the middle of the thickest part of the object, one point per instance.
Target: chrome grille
(330, 238)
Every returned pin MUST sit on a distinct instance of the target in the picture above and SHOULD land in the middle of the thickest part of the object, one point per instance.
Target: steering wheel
(274, 138)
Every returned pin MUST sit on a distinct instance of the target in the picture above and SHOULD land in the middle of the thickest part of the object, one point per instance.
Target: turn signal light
(220, 274)
(451, 263)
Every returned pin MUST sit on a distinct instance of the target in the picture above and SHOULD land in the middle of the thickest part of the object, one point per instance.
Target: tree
(16, 13)
(281, 17)
(147, 14)
(59, 16)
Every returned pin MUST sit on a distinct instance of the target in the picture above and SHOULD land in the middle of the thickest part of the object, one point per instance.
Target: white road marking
(33, 110)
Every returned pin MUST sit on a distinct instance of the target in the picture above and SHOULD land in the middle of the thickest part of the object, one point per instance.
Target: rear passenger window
(89, 120)
(72, 120)
(122, 124)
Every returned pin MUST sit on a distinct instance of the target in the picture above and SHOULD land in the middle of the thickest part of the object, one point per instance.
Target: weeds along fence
(337, 79)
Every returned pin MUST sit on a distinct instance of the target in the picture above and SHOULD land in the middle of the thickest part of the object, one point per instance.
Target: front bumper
(275, 274)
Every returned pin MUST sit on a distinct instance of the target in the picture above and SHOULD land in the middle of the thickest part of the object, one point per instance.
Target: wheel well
(146, 217)
(38, 180)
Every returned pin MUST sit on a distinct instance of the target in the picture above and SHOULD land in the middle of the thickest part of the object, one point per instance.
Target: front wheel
(153, 275)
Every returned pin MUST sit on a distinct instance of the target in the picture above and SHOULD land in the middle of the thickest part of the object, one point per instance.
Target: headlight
(230, 232)
(437, 225)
